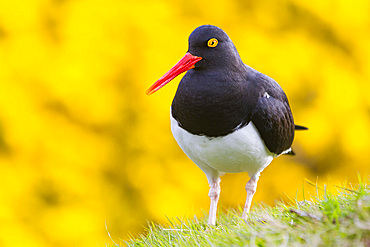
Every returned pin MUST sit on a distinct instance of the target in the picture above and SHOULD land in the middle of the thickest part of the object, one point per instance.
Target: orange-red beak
(185, 63)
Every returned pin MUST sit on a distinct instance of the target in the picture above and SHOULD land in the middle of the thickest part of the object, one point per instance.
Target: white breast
(243, 150)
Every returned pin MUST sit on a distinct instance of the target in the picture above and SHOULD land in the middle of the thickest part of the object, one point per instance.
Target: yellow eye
(212, 42)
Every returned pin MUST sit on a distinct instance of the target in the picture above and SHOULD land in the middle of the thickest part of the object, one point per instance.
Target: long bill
(185, 63)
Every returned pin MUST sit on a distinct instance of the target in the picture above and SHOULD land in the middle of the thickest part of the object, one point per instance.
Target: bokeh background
(81, 145)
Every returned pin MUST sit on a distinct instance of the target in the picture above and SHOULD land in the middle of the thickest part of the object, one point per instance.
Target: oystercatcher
(226, 116)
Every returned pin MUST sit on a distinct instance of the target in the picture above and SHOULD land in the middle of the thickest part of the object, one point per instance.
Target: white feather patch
(243, 150)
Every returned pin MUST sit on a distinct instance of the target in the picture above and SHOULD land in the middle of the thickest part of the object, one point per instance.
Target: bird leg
(251, 188)
(214, 194)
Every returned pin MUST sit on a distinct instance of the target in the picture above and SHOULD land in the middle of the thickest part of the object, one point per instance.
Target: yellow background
(81, 144)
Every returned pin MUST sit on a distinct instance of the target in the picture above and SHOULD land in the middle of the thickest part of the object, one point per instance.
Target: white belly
(243, 150)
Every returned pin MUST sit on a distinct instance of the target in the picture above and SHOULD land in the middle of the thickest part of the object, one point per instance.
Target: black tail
(299, 127)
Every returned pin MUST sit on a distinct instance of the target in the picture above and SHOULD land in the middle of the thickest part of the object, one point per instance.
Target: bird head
(214, 46)
(209, 48)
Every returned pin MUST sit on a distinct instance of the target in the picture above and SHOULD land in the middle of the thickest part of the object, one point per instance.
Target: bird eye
(212, 42)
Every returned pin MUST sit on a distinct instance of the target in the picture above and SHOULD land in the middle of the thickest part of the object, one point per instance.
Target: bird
(226, 116)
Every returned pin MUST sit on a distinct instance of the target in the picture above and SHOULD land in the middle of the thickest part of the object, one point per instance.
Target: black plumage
(222, 94)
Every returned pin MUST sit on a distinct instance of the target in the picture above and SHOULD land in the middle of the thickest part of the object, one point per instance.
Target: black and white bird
(226, 116)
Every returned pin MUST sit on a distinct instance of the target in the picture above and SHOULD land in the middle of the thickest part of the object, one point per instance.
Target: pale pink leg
(214, 194)
(251, 188)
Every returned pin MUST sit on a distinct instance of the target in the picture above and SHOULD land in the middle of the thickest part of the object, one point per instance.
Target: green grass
(342, 219)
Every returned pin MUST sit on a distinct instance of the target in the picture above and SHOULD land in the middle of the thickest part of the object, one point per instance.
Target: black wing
(274, 122)
(272, 115)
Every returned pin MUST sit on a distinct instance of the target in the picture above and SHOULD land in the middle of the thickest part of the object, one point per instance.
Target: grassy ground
(326, 220)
